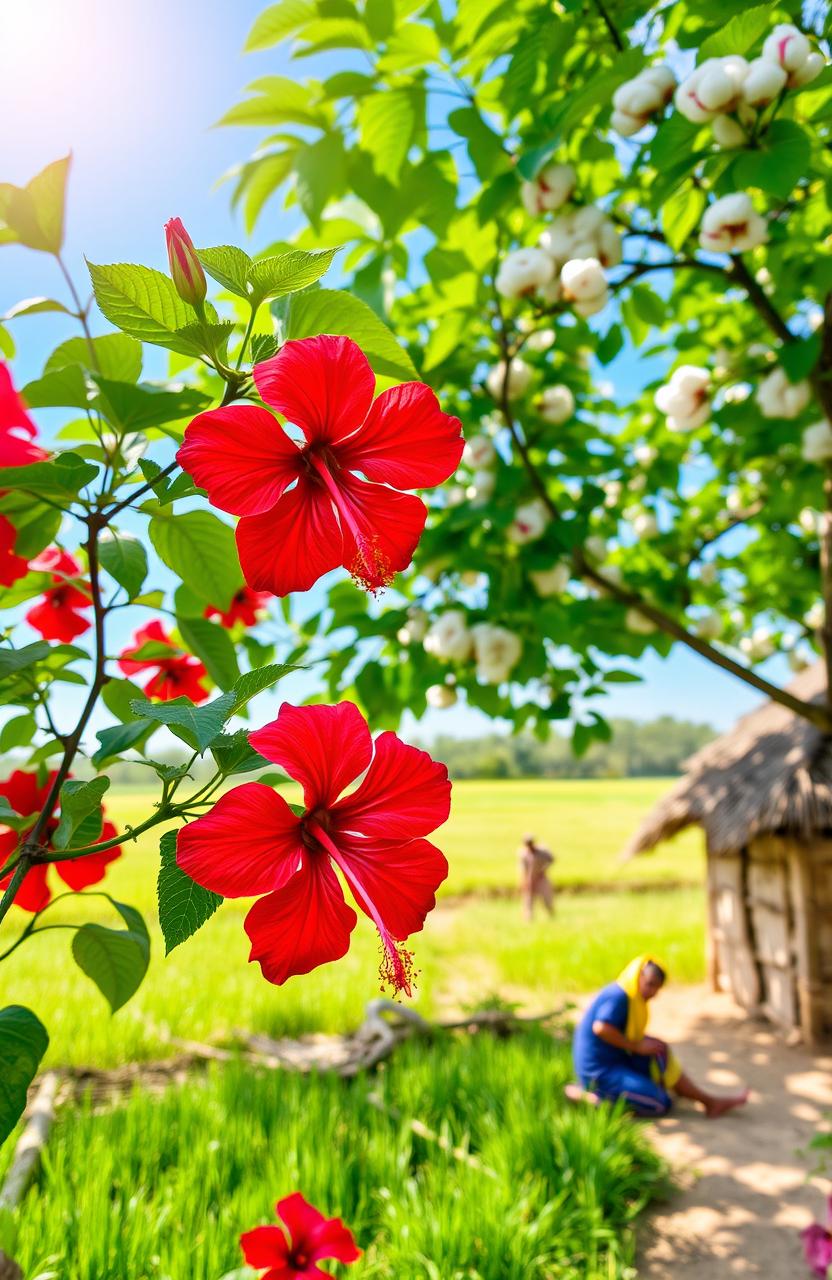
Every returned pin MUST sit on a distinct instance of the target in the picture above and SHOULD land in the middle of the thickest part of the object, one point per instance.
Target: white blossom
(815, 617)
(797, 660)
(809, 521)
(551, 582)
(635, 101)
(556, 404)
(780, 398)
(496, 650)
(613, 490)
(685, 398)
(523, 272)
(530, 520)
(764, 81)
(645, 525)
(645, 454)
(519, 378)
(789, 49)
(817, 442)
(538, 340)
(732, 225)
(586, 233)
(440, 696)
(758, 646)
(584, 284)
(728, 132)
(481, 488)
(479, 453)
(635, 621)
(549, 190)
(449, 638)
(708, 626)
(713, 88)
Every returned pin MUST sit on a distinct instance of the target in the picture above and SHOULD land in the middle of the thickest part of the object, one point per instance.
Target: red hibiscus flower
(308, 1238)
(252, 843)
(817, 1246)
(246, 606)
(57, 616)
(12, 566)
(177, 674)
(15, 426)
(27, 796)
(304, 507)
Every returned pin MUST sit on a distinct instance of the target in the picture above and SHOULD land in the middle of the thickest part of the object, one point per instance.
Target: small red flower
(185, 267)
(246, 606)
(817, 1246)
(15, 449)
(252, 843)
(26, 795)
(308, 1238)
(176, 676)
(12, 566)
(57, 616)
(305, 508)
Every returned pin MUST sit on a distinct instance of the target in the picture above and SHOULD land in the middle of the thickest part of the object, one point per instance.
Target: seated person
(615, 1059)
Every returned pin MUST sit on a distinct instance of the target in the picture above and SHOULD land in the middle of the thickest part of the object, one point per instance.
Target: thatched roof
(771, 773)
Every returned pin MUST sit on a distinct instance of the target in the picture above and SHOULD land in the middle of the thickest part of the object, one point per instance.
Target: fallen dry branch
(30, 1144)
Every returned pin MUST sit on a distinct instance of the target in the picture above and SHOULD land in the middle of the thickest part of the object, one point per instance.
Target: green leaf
(682, 213)
(781, 161)
(234, 753)
(115, 959)
(34, 214)
(386, 121)
(800, 358)
(17, 732)
(124, 558)
(229, 266)
(253, 682)
(279, 20)
(14, 660)
(184, 905)
(198, 547)
(23, 1042)
(57, 388)
(62, 478)
(484, 145)
(738, 34)
(198, 726)
(34, 307)
(277, 100)
(319, 174)
(9, 817)
(287, 272)
(120, 738)
(115, 355)
(145, 304)
(213, 646)
(79, 800)
(331, 311)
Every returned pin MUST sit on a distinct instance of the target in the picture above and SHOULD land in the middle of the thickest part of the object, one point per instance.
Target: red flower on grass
(305, 508)
(57, 616)
(308, 1238)
(817, 1246)
(15, 425)
(177, 674)
(27, 796)
(246, 606)
(252, 843)
(12, 566)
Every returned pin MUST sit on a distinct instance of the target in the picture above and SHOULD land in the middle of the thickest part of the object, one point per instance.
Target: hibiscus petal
(406, 441)
(290, 547)
(323, 385)
(57, 623)
(12, 566)
(404, 794)
(400, 880)
(248, 843)
(322, 747)
(317, 1236)
(382, 528)
(305, 924)
(241, 456)
(23, 793)
(264, 1247)
(300, 1218)
(33, 893)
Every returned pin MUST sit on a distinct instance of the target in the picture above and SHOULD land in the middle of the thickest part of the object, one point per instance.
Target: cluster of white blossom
(636, 101)
(758, 646)
(685, 398)
(708, 626)
(556, 404)
(552, 187)
(529, 523)
(780, 398)
(551, 582)
(516, 383)
(495, 650)
(728, 92)
(481, 456)
(817, 442)
(732, 225)
(524, 272)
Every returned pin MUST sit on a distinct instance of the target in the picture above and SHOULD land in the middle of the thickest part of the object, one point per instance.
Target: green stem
(246, 337)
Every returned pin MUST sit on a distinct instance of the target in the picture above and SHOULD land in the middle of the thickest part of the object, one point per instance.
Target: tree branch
(610, 25)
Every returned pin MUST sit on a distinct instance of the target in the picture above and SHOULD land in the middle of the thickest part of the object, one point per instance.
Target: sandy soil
(743, 1194)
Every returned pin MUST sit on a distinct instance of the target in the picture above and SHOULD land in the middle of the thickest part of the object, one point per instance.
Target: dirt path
(744, 1194)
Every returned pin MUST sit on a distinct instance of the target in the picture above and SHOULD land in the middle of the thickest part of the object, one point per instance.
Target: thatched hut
(763, 796)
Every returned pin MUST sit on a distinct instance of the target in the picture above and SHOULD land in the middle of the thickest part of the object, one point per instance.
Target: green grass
(469, 949)
(161, 1187)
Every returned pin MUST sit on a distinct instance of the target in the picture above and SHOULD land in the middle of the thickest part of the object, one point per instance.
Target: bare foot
(575, 1093)
(719, 1106)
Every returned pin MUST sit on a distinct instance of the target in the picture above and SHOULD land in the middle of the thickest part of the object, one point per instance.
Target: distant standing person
(535, 861)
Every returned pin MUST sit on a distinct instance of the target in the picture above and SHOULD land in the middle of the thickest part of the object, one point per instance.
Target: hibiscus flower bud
(496, 650)
(635, 101)
(523, 272)
(549, 190)
(584, 284)
(440, 696)
(709, 625)
(817, 442)
(635, 621)
(728, 132)
(787, 46)
(529, 523)
(479, 453)
(519, 378)
(449, 639)
(780, 398)
(719, 88)
(764, 81)
(811, 68)
(185, 267)
(551, 582)
(555, 404)
(685, 398)
(541, 340)
(732, 225)
(687, 101)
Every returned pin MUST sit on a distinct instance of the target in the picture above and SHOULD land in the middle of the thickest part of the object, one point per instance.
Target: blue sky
(132, 88)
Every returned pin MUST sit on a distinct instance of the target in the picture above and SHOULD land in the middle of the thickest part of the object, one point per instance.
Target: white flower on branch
(728, 132)
(556, 404)
(764, 81)
(449, 638)
(758, 646)
(440, 696)
(709, 625)
(524, 272)
(551, 582)
(549, 190)
(519, 378)
(584, 285)
(817, 442)
(685, 398)
(732, 225)
(790, 49)
(529, 523)
(713, 88)
(479, 453)
(780, 398)
(496, 650)
(635, 101)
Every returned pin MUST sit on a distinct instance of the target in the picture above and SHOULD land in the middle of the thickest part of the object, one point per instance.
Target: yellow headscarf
(638, 1012)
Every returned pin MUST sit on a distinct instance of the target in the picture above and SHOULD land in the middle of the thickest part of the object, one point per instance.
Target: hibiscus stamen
(370, 568)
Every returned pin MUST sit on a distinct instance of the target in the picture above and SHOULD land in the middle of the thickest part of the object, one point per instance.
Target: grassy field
(471, 948)
(161, 1187)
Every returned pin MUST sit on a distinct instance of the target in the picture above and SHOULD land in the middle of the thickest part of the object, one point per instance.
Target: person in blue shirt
(615, 1058)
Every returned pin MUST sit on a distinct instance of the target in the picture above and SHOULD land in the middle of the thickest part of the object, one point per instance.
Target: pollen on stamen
(396, 968)
(371, 569)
